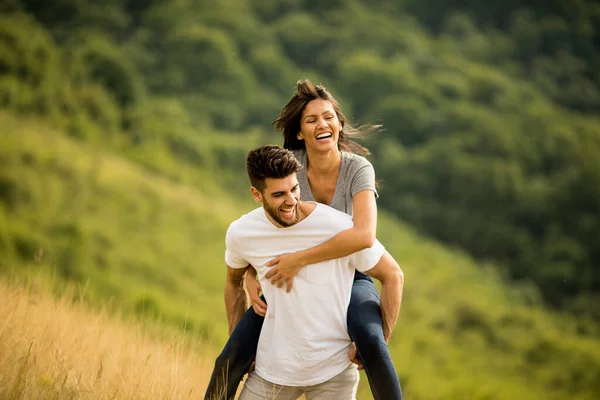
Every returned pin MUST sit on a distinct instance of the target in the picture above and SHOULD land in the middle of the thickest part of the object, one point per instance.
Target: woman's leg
(365, 327)
(235, 359)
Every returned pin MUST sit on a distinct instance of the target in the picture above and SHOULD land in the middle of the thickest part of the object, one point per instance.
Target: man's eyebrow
(296, 186)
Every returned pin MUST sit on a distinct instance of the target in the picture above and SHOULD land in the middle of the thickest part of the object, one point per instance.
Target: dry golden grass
(59, 349)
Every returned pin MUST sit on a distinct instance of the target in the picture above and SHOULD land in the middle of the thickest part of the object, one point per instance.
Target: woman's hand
(253, 288)
(285, 268)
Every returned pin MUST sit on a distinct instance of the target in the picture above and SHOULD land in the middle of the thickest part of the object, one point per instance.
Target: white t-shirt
(304, 339)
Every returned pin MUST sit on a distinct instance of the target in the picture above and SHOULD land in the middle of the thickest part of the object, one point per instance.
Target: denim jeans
(365, 328)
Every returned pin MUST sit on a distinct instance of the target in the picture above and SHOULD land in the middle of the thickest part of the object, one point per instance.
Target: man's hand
(253, 288)
(353, 356)
(285, 268)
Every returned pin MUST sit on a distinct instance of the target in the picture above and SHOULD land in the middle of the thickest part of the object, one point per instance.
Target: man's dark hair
(270, 161)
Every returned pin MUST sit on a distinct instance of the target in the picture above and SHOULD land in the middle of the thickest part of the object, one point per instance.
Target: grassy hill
(56, 349)
(147, 244)
(138, 239)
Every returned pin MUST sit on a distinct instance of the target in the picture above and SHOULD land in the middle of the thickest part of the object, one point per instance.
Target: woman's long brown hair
(289, 120)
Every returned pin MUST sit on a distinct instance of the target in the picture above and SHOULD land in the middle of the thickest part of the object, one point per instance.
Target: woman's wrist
(302, 259)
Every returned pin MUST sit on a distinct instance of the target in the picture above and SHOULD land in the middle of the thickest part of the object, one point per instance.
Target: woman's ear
(299, 136)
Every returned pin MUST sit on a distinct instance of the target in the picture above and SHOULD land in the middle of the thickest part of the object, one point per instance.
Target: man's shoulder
(326, 213)
(324, 208)
(247, 220)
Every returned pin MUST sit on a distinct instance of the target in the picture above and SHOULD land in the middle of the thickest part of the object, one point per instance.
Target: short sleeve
(366, 259)
(232, 257)
(364, 179)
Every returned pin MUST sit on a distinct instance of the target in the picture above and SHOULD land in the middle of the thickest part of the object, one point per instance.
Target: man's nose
(291, 199)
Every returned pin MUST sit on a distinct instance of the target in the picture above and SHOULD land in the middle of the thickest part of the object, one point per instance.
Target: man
(304, 344)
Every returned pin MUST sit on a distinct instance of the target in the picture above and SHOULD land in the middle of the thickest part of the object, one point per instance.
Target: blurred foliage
(492, 134)
(135, 239)
(490, 111)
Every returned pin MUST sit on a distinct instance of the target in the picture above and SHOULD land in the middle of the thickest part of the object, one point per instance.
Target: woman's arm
(359, 237)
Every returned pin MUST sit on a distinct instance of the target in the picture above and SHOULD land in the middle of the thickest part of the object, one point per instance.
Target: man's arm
(235, 296)
(388, 272)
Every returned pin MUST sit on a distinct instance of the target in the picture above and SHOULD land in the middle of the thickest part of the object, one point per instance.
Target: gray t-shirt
(356, 174)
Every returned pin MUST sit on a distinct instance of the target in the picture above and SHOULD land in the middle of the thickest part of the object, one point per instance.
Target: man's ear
(256, 194)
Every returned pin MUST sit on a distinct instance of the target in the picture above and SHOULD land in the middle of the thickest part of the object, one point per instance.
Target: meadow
(59, 348)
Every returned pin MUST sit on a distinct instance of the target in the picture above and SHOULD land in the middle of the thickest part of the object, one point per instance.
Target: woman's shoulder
(299, 152)
(300, 155)
(355, 161)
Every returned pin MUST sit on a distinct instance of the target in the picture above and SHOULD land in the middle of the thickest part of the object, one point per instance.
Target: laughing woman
(334, 173)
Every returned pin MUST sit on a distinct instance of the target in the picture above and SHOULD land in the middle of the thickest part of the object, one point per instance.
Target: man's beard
(273, 213)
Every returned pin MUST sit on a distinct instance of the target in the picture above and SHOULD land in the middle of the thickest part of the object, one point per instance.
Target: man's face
(280, 200)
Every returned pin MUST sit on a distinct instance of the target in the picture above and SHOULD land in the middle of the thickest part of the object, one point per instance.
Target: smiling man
(304, 343)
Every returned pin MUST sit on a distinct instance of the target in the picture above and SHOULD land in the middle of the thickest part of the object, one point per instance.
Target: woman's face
(319, 126)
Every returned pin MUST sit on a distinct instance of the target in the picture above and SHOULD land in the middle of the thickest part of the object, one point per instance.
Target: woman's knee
(367, 336)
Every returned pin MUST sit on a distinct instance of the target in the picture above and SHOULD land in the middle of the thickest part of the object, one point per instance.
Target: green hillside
(124, 125)
(490, 111)
(137, 241)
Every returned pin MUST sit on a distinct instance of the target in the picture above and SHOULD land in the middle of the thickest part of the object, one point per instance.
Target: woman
(316, 130)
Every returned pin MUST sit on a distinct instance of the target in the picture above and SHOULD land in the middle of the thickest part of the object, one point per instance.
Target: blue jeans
(365, 328)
